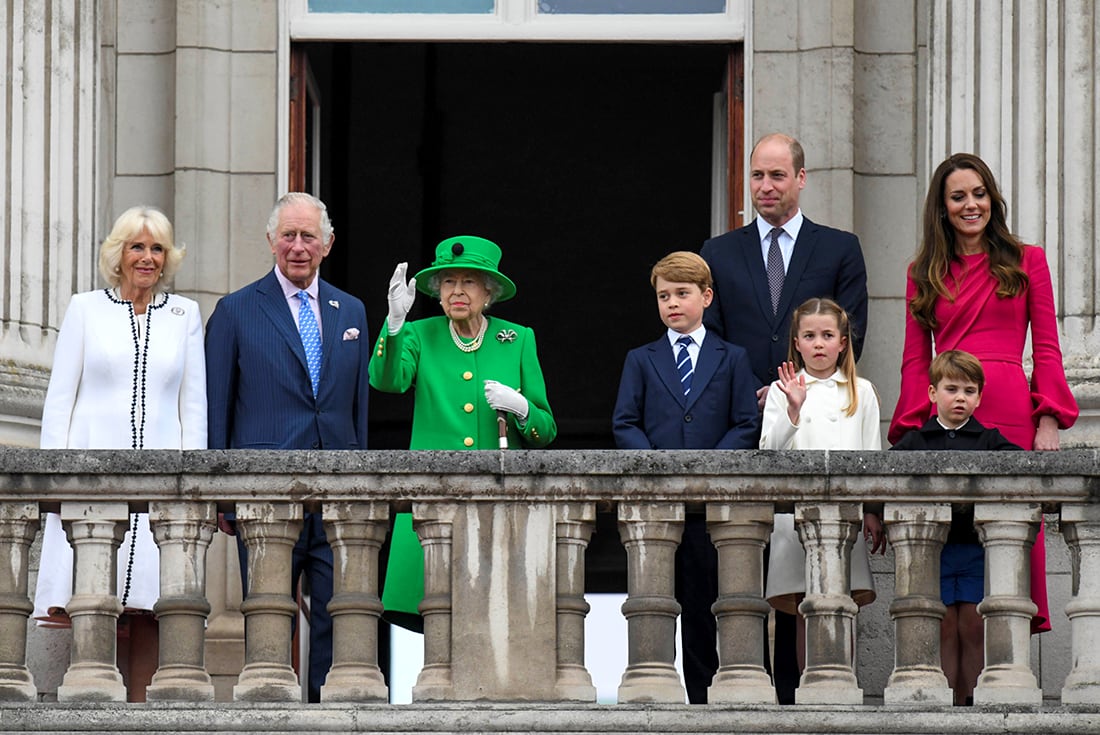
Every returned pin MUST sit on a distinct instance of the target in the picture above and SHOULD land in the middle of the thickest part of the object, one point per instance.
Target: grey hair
(299, 197)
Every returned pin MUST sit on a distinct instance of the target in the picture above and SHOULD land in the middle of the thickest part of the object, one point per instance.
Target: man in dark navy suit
(763, 272)
(286, 368)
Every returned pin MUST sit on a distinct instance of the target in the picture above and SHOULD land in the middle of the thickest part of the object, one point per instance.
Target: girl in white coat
(819, 402)
(128, 373)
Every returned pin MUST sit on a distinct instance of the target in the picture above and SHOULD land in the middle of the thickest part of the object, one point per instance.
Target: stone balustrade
(505, 536)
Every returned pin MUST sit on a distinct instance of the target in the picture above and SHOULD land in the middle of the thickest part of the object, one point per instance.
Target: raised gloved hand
(503, 398)
(401, 297)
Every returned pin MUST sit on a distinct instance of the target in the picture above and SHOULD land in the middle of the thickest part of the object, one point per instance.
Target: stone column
(1007, 531)
(434, 524)
(917, 533)
(18, 525)
(1081, 528)
(183, 532)
(651, 533)
(48, 101)
(270, 531)
(356, 532)
(739, 532)
(95, 531)
(575, 524)
(828, 532)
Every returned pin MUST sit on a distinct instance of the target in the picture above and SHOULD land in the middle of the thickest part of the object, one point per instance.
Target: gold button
(379, 353)
(468, 376)
(468, 441)
(468, 408)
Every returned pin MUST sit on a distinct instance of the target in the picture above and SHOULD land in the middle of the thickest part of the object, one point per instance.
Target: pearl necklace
(471, 346)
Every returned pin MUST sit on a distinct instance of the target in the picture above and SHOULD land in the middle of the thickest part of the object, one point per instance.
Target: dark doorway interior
(585, 163)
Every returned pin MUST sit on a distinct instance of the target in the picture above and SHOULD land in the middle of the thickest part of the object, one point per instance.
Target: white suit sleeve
(777, 431)
(193, 386)
(870, 416)
(68, 367)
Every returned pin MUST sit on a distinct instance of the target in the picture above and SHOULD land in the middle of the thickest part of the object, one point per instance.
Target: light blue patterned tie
(311, 339)
(683, 363)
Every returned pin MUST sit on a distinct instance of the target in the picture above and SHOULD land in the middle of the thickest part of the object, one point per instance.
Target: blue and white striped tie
(683, 363)
(311, 339)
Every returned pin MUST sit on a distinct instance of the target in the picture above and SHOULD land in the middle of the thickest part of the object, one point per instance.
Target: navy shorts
(962, 573)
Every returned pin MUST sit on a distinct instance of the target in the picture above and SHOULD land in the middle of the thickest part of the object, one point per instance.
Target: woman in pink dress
(973, 286)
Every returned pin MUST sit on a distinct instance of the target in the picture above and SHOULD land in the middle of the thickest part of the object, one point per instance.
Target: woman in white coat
(128, 373)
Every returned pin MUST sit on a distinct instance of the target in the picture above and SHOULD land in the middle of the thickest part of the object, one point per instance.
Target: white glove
(401, 296)
(503, 398)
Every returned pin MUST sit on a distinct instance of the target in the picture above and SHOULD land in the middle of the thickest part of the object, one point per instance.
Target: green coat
(450, 412)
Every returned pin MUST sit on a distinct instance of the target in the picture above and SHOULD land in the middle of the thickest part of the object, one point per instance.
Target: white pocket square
(350, 334)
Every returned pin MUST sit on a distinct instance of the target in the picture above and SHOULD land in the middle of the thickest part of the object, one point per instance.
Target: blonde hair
(129, 226)
(846, 362)
(682, 266)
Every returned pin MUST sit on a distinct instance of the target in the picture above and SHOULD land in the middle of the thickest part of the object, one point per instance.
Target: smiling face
(297, 243)
(463, 295)
(955, 399)
(141, 265)
(820, 343)
(967, 204)
(681, 305)
(774, 183)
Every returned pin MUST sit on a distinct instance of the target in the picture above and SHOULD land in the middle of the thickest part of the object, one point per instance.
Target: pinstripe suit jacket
(257, 382)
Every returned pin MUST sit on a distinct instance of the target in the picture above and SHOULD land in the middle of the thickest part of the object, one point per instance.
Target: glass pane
(401, 6)
(625, 7)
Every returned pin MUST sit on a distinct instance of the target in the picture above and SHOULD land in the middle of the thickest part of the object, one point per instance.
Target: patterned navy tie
(311, 339)
(683, 363)
(775, 268)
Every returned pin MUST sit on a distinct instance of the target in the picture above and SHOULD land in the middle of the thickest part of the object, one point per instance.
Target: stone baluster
(356, 532)
(917, 533)
(1007, 531)
(18, 525)
(1081, 528)
(651, 533)
(434, 524)
(739, 532)
(95, 531)
(574, 527)
(183, 532)
(828, 531)
(269, 531)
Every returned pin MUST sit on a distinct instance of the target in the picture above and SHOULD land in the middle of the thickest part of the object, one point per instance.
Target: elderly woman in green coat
(465, 368)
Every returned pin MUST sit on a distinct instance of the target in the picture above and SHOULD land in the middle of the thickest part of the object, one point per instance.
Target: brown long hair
(846, 362)
(938, 247)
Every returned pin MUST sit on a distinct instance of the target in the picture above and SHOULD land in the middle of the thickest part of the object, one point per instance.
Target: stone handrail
(505, 536)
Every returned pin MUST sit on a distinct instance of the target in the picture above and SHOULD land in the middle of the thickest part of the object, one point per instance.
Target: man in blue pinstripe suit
(286, 361)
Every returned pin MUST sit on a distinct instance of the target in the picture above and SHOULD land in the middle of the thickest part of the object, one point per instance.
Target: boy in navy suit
(956, 382)
(688, 390)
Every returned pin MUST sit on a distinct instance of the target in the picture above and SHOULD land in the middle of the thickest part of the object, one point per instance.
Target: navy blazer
(720, 412)
(825, 263)
(257, 382)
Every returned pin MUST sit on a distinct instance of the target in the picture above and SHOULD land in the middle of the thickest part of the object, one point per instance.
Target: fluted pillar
(270, 531)
(917, 533)
(18, 525)
(95, 531)
(575, 522)
(828, 532)
(183, 532)
(651, 533)
(1081, 528)
(739, 532)
(1007, 531)
(434, 524)
(356, 532)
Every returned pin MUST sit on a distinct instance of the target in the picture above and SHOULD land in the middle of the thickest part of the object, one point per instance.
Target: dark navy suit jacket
(719, 413)
(257, 382)
(825, 263)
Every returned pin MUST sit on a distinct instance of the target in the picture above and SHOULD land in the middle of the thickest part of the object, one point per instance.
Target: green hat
(467, 252)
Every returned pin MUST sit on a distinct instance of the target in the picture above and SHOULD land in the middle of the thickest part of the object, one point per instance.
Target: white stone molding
(1081, 527)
